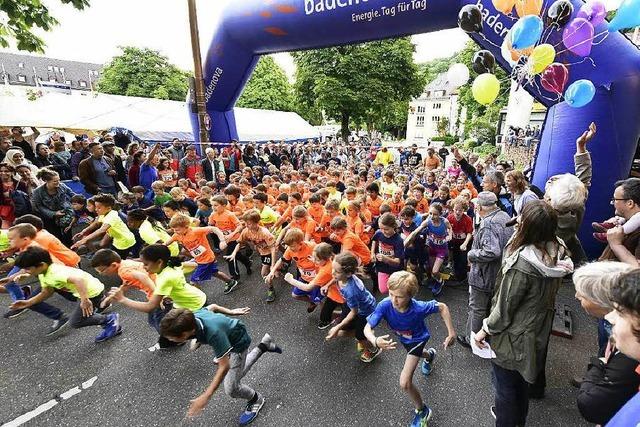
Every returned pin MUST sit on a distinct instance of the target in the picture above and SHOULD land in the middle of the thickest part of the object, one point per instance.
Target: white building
(438, 102)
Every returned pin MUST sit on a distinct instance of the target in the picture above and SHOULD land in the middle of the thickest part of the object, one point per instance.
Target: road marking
(50, 404)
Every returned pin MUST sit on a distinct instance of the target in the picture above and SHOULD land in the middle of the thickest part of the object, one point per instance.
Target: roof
(47, 69)
(147, 118)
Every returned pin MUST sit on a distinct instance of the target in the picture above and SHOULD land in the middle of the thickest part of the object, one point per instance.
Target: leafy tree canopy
(18, 19)
(144, 73)
(268, 88)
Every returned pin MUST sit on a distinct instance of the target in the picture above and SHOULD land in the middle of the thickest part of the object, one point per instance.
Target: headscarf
(9, 160)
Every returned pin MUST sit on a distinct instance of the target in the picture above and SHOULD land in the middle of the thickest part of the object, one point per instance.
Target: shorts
(315, 295)
(266, 260)
(356, 325)
(204, 272)
(441, 252)
(415, 349)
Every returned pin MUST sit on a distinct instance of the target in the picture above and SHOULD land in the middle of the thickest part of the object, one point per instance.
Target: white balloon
(458, 75)
(505, 52)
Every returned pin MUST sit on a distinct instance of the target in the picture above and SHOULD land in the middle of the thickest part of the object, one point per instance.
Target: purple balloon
(578, 36)
(593, 11)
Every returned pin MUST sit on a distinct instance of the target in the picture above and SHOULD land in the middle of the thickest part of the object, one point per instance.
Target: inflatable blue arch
(250, 28)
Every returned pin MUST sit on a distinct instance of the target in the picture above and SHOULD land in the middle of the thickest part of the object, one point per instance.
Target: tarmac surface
(121, 383)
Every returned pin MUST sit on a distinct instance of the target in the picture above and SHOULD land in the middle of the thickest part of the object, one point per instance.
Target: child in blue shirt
(387, 249)
(359, 303)
(406, 317)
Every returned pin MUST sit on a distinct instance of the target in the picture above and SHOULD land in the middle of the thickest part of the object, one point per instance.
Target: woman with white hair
(611, 380)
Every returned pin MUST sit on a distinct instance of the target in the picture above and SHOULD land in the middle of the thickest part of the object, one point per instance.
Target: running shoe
(230, 286)
(421, 418)
(57, 325)
(368, 355)
(111, 329)
(324, 325)
(271, 295)
(12, 314)
(427, 365)
(251, 411)
(437, 287)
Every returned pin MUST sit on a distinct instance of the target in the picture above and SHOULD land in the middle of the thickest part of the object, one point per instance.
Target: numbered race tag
(386, 250)
(307, 275)
(196, 252)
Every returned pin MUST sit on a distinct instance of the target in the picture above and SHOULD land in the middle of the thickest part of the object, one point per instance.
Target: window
(439, 93)
(437, 106)
(22, 78)
(82, 83)
(419, 135)
(20, 64)
(435, 119)
(55, 69)
(420, 121)
(421, 108)
(67, 82)
(62, 69)
(50, 68)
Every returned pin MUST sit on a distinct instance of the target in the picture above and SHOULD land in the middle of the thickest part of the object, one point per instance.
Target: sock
(271, 348)
(254, 399)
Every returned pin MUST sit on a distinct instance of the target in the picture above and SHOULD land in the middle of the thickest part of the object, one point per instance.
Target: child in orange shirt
(196, 242)
(396, 203)
(350, 242)
(49, 242)
(316, 210)
(185, 186)
(230, 226)
(264, 243)
(232, 193)
(422, 204)
(301, 252)
(108, 263)
(374, 200)
(295, 199)
(356, 221)
(304, 223)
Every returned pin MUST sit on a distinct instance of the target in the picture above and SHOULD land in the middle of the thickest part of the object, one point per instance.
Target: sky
(93, 35)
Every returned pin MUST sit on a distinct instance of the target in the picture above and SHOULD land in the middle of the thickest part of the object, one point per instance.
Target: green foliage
(447, 139)
(368, 83)
(18, 19)
(486, 149)
(482, 130)
(443, 126)
(268, 88)
(432, 69)
(144, 73)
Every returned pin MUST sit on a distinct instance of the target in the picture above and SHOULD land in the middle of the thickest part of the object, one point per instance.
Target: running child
(462, 232)
(230, 342)
(71, 283)
(265, 244)
(406, 316)
(194, 240)
(387, 249)
(230, 226)
(438, 233)
(359, 304)
(49, 242)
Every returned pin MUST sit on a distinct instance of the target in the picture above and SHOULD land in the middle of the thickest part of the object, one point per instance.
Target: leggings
(383, 278)
(234, 268)
(239, 365)
(327, 309)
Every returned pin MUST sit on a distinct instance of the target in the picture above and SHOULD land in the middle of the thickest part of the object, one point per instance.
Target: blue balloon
(580, 93)
(526, 32)
(628, 16)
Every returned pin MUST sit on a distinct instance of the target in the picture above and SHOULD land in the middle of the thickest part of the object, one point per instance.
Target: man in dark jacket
(485, 257)
(96, 172)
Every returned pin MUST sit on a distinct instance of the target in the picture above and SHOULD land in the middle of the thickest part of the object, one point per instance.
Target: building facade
(438, 103)
(36, 71)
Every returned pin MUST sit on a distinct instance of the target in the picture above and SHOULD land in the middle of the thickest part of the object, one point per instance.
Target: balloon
(594, 11)
(628, 16)
(554, 78)
(560, 12)
(612, 4)
(528, 7)
(578, 36)
(458, 75)
(526, 32)
(485, 88)
(580, 93)
(504, 6)
(470, 19)
(541, 57)
(483, 62)
(505, 50)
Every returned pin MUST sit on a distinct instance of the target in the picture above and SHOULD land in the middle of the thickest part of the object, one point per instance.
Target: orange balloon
(528, 7)
(504, 6)
(517, 54)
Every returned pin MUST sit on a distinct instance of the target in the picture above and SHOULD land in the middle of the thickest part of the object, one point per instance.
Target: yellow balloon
(504, 6)
(541, 57)
(528, 7)
(485, 88)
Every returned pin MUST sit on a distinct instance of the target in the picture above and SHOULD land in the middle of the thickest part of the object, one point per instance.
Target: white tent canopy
(149, 119)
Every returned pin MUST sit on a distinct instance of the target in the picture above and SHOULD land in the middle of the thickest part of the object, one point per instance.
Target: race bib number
(405, 334)
(196, 252)
(226, 232)
(437, 241)
(459, 236)
(307, 274)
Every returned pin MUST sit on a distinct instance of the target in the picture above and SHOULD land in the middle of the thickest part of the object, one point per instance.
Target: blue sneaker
(251, 412)
(421, 418)
(111, 329)
(437, 287)
(426, 366)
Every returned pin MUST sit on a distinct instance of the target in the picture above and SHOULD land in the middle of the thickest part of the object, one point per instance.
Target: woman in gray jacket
(522, 310)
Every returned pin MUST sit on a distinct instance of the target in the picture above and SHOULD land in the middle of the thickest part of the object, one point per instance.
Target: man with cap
(414, 159)
(96, 172)
(485, 257)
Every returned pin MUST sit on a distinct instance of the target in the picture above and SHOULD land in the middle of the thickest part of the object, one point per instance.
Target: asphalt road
(312, 383)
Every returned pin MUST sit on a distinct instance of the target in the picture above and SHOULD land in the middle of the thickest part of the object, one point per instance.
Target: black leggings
(327, 309)
(356, 325)
(234, 268)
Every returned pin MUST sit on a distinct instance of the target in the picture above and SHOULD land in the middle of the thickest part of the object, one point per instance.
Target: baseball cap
(487, 198)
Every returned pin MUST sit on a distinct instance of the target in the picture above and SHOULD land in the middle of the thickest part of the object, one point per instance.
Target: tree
(432, 69)
(145, 73)
(443, 126)
(360, 83)
(19, 17)
(268, 88)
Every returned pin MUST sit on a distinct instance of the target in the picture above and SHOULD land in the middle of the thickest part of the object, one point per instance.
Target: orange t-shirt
(356, 226)
(354, 244)
(374, 205)
(192, 194)
(54, 246)
(423, 206)
(127, 267)
(316, 212)
(395, 207)
(226, 222)
(432, 162)
(196, 242)
(308, 227)
(303, 259)
(262, 239)
(35, 244)
(325, 223)
(238, 209)
(324, 276)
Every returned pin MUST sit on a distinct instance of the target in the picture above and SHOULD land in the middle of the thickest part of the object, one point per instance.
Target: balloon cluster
(526, 50)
